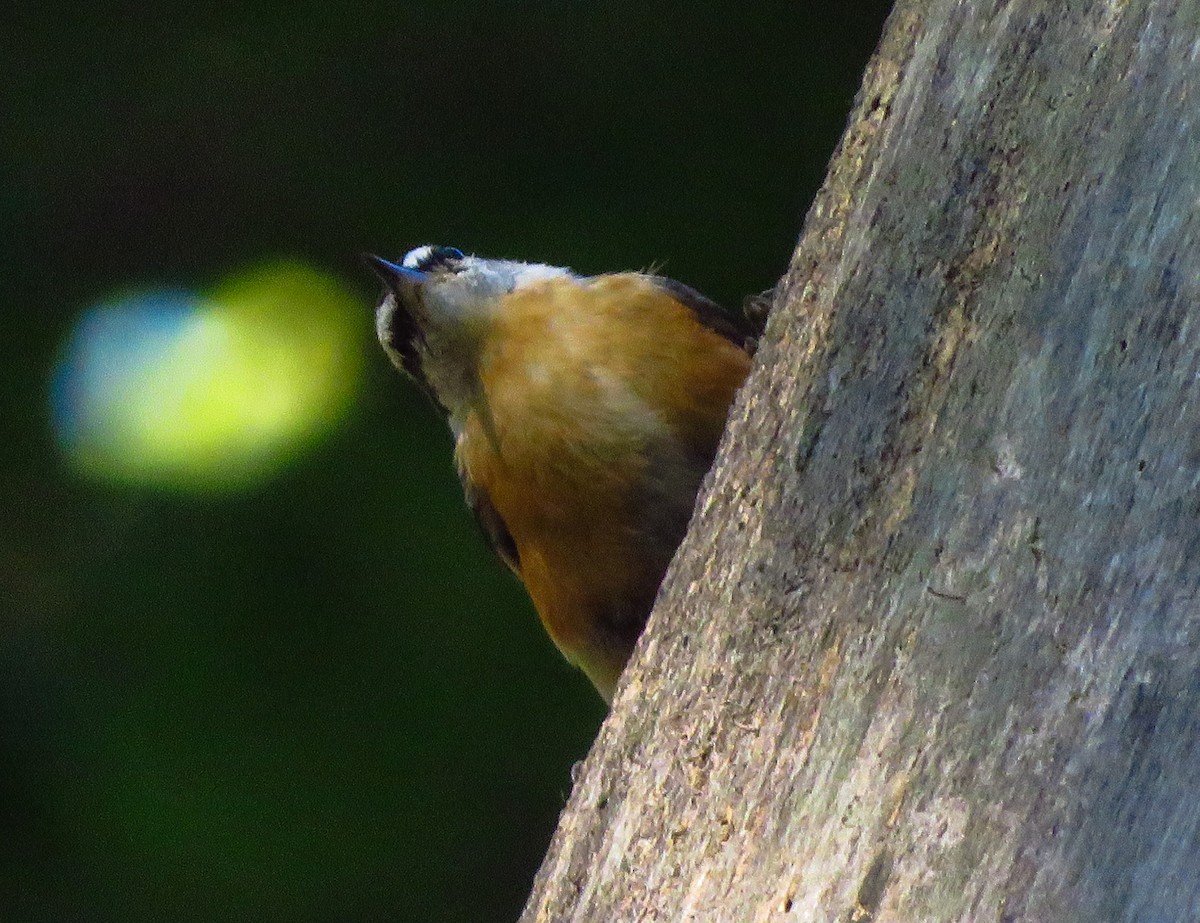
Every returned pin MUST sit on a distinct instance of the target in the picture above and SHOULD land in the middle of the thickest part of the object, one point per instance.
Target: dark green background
(322, 699)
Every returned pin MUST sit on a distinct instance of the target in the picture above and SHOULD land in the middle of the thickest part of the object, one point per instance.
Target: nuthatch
(585, 413)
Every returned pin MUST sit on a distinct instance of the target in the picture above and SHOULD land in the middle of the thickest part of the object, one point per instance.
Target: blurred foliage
(318, 698)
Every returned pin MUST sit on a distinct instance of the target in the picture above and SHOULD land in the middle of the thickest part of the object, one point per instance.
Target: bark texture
(931, 650)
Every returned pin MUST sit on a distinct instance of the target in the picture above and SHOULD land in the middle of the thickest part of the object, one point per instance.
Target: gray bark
(931, 650)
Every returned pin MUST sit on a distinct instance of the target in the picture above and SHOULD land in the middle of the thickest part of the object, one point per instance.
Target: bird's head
(437, 307)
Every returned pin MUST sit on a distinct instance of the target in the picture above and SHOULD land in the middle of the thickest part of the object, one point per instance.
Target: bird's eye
(439, 258)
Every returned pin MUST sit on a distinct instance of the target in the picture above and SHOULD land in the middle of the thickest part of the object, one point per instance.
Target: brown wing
(491, 524)
(735, 328)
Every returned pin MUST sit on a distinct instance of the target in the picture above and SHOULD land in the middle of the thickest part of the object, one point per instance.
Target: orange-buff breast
(602, 403)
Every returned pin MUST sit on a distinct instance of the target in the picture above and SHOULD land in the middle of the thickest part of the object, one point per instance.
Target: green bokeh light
(211, 391)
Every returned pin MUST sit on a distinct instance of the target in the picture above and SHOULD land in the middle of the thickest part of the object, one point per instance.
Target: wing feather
(491, 523)
(735, 328)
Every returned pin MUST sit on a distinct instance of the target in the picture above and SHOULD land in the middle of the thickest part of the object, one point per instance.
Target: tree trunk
(931, 650)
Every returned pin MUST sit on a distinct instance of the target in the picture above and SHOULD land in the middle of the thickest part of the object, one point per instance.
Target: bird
(585, 411)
